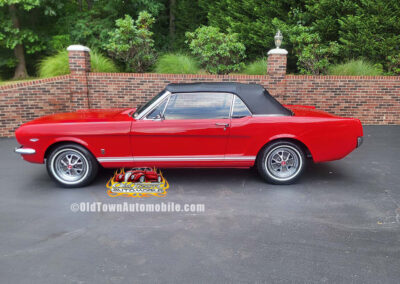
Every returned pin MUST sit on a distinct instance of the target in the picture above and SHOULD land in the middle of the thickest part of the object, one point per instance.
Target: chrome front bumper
(25, 151)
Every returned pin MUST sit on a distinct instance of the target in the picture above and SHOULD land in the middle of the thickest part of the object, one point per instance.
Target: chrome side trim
(277, 114)
(25, 151)
(242, 158)
(176, 158)
(115, 159)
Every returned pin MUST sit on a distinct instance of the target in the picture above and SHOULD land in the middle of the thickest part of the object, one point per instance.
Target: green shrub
(56, 65)
(393, 64)
(132, 44)
(100, 63)
(219, 53)
(176, 64)
(258, 67)
(355, 68)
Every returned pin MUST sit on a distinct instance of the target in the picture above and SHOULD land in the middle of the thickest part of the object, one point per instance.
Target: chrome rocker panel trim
(175, 159)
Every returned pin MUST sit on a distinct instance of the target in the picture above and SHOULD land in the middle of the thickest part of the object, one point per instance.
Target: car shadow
(312, 173)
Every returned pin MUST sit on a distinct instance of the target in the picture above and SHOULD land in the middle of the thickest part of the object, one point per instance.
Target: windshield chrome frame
(144, 112)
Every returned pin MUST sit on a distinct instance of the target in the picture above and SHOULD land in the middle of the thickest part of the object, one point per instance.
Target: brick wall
(374, 100)
(25, 101)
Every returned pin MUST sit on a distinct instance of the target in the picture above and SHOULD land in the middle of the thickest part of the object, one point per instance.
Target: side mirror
(159, 117)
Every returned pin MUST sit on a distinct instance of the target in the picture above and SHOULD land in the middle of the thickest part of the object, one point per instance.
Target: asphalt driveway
(340, 223)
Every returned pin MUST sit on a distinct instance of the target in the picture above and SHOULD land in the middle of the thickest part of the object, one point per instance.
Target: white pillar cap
(278, 51)
(78, 47)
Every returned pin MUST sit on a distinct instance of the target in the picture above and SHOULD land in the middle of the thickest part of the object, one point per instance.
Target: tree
(251, 20)
(219, 53)
(172, 11)
(15, 37)
(312, 55)
(367, 29)
(132, 44)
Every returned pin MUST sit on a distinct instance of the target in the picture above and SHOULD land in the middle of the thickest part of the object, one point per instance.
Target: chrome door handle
(225, 125)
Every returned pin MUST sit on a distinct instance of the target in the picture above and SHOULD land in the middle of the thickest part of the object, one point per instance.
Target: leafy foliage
(393, 64)
(59, 42)
(366, 29)
(132, 44)
(219, 53)
(15, 37)
(176, 64)
(57, 64)
(251, 20)
(189, 16)
(11, 37)
(356, 68)
(257, 67)
(313, 56)
(317, 33)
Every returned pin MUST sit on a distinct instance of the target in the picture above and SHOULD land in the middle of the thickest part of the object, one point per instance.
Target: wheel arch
(59, 142)
(296, 141)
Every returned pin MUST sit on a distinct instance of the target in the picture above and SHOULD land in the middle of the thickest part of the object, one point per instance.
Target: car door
(186, 129)
(242, 130)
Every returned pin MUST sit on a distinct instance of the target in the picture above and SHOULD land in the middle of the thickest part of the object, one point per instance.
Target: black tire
(142, 179)
(265, 162)
(88, 170)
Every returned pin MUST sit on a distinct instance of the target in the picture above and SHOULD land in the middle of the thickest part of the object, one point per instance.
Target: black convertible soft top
(257, 99)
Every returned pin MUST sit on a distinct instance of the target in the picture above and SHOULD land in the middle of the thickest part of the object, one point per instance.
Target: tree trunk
(89, 4)
(172, 21)
(20, 71)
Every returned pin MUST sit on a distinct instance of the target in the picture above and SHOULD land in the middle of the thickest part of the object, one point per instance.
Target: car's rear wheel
(281, 162)
(71, 165)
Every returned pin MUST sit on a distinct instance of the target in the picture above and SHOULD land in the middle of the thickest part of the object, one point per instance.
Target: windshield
(146, 105)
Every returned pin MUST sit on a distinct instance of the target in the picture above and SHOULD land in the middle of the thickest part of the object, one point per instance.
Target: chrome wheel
(69, 166)
(283, 163)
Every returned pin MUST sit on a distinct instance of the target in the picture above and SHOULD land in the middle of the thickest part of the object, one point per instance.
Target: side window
(198, 106)
(239, 108)
(156, 113)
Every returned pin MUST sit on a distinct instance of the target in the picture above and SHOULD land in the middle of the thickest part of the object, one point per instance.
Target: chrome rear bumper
(360, 140)
(25, 151)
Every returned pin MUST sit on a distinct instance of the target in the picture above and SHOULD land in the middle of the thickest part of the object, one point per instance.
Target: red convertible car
(190, 125)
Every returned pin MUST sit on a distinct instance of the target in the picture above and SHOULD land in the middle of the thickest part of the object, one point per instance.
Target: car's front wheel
(281, 162)
(71, 165)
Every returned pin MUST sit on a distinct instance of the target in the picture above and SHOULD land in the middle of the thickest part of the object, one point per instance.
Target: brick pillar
(277, 61)
(79, 66)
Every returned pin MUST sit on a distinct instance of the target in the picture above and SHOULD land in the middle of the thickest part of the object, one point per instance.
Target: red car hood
(92, 115)
(308, 111)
